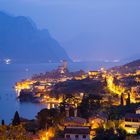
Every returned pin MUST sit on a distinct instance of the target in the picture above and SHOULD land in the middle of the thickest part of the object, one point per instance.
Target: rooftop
(77, 130)
(75, 119)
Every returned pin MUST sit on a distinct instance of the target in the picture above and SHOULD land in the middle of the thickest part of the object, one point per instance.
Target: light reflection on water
(10, 74)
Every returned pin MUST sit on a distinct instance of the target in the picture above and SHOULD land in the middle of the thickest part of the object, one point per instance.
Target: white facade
(131, 127)
(77, 133)
(132, 123)
(138, 110)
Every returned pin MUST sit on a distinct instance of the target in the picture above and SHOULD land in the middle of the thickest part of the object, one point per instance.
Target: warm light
(130, 131)
(114, 88)
(46, 134)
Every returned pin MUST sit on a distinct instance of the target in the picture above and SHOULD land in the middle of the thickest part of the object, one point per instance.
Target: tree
(49, 117)
(122, 101)
(71, 100)
(89, 104)
(128, 99)
(2, 122)
(84, 108)
(42, 117)
(105, 82)
(109, 134)
(63, 106)
(14, 133)
(121, 133)
(16, 120)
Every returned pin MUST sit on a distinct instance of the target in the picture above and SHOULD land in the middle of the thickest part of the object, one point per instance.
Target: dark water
(9, 74)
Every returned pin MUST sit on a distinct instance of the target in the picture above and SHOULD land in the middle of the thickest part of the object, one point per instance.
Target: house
(92, 74)
(131, 123)
(138, 110)
(77, 133)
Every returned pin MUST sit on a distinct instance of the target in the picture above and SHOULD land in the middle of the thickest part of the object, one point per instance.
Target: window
(67, 136)
(84, 136)
(128, 125)
(135, 120)
(76, 136)
(128, 119)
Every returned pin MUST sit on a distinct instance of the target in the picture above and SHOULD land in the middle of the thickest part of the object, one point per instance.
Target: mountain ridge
(130, 67)
(22, 41)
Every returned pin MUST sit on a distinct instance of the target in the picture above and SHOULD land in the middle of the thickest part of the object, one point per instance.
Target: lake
(10, 74)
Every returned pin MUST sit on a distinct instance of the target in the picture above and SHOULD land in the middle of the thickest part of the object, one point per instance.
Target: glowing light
(112, 87)
(7, 61)
(116, 61)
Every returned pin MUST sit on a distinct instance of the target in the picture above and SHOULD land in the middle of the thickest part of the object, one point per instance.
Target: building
(132, 123)
(93, 73)
(65, 64)
(138, 110)
(77, 133)
(64, 68)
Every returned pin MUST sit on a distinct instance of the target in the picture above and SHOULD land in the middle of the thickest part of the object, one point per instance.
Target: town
(84, 105)
(69, 70)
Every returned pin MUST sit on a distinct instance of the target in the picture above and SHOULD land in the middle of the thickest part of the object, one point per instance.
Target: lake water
(10, 74)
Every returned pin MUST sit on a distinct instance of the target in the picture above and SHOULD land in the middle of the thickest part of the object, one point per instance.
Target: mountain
(22, 41)
(135, 64)
(132, 58)
(129, 67)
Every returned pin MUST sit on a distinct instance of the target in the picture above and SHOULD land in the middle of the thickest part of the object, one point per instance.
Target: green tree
(16, 120)
(109, 134)
(121, 133)
(2, 122)
(122, 101)
(128, 101)
(49, 117)
(14, 133)
(89, 104)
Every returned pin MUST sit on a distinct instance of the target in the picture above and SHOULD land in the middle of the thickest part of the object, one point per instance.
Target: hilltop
(22, 41)
(129, 67)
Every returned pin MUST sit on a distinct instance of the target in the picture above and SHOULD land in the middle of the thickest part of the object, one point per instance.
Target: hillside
(22, 41)
(129, 67)
(135, 63)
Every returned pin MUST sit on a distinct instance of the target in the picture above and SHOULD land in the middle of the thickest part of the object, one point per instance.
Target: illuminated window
(128, 119)
(128, 126)
(135, 120)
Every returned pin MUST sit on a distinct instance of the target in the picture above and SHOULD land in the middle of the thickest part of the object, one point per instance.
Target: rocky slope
(22, 41)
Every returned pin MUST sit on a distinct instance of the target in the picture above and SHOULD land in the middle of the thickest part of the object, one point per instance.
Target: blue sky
(87, 29)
